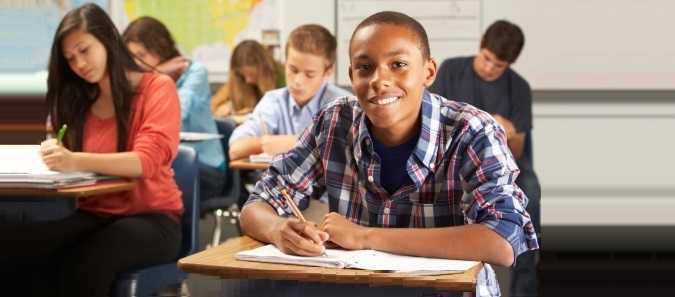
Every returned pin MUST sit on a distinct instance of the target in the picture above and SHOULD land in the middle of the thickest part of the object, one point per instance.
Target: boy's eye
(399, 64)
(363, 67)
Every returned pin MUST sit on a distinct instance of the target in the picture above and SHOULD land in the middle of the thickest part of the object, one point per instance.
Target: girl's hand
(57, 157)
(174, 67)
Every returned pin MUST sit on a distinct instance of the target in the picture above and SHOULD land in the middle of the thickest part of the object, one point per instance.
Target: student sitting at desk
(488, 82)
(152, 45)
(285, 112)
(406, 171)
(252, 73)
(120, 121)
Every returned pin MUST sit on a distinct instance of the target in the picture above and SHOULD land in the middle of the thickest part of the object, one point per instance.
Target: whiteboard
(570, 45)
(453, 27)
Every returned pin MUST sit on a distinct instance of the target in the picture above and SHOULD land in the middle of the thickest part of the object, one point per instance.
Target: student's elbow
(503, 253)
(236, 151)
(243, 148)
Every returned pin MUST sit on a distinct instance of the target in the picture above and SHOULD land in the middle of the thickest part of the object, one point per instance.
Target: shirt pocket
(433, 211)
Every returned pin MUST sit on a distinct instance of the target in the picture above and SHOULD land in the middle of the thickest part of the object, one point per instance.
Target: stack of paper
(261, 158)
(361, 259)
(198, 136)
(22, 167)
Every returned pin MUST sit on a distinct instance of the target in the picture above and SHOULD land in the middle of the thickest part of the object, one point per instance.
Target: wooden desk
(245, 164)
(219, 261)
(101, 187)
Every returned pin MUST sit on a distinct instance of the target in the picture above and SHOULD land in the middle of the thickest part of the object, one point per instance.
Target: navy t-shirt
(509, 95)
(393, 172)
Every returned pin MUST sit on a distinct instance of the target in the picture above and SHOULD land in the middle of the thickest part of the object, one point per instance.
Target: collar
(312, 106)
(426, 150)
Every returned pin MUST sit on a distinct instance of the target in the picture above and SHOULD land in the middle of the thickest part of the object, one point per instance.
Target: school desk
(24, 205)
(245, 164)
(219, 261)
(100, 187)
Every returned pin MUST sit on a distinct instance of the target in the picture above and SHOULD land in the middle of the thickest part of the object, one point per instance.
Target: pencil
(296, 211)
(294, 208)
(61, 133)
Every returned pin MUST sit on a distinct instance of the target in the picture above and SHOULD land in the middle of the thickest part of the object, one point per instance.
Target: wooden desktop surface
(219, 261)
(245, 164)
(101, 187)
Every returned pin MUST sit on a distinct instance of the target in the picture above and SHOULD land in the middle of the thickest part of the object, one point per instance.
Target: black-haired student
(406, 171)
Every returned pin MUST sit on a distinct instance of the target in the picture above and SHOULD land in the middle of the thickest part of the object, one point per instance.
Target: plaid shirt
(462, 172)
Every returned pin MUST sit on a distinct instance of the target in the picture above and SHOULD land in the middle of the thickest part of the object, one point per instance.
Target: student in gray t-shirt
(487, 81)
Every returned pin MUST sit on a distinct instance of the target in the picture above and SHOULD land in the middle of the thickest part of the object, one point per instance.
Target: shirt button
(370, 178)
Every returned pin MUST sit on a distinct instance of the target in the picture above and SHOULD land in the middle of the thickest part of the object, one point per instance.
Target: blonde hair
(313, 39)
(241, 94)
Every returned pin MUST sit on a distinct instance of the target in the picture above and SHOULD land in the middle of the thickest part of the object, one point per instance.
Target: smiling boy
(406, 171)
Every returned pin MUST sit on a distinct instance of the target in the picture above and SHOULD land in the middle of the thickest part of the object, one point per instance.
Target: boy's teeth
(387, 100)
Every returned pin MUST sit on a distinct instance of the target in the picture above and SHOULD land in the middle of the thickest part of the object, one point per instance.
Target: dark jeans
(82, 254)
(524, 280)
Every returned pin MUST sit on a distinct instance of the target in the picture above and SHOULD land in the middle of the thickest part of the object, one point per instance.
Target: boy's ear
(350, 73)
(329, 71)
(430, 69)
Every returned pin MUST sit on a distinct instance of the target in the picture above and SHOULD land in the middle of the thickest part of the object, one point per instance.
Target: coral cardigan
(153, 134)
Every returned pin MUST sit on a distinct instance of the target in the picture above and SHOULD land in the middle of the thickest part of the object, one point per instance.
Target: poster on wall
(206, 30)
(28, 31)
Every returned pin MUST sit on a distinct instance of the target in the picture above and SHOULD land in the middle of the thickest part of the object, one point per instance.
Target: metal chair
(148, 281)
(226, 206)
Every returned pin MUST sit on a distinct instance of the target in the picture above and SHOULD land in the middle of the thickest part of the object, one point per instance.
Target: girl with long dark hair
(120, 121)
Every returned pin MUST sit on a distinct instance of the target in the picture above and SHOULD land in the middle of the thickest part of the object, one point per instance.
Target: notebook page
(270, 253)
(22, 159)
(377, 260)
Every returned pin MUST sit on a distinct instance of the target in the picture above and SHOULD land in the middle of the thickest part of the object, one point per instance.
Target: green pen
(59, 135)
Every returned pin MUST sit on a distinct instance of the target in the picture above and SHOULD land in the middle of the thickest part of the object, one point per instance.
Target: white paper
(360, 259)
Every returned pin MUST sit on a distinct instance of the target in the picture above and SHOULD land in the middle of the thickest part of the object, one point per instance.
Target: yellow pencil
(294, 208)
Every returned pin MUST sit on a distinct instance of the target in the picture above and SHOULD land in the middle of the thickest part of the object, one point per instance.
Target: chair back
(186, 174)
(226, 127)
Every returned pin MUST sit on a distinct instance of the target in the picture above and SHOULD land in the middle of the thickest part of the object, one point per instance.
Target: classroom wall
(604, 107)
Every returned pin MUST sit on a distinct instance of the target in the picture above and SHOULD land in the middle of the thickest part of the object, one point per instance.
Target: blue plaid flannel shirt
(462, 173)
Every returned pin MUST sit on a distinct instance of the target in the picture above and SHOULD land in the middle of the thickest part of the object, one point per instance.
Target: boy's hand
(292, 236)
(57, 157)
(277, 144)
(343, 232)
(507, 125)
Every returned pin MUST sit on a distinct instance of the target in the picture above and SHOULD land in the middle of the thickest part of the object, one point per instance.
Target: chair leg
(234, 217)
(184, 290)
(133, 288)
(219, 227)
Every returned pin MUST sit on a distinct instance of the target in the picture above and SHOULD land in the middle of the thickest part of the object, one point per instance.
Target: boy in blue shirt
(283, 113)
(450, 195)
(488, 82)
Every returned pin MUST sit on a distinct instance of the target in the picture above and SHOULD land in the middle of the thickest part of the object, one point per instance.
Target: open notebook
(361, 259)
(22, 167)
